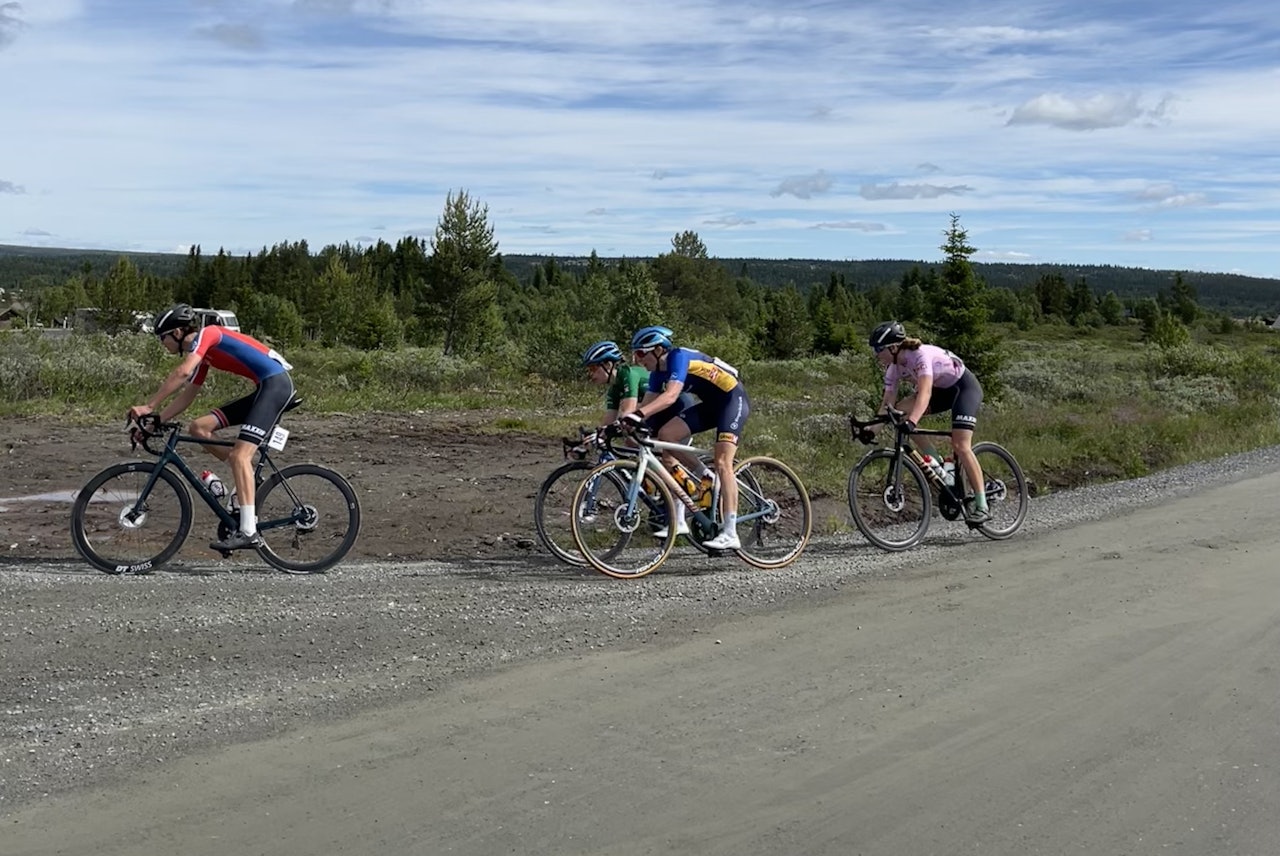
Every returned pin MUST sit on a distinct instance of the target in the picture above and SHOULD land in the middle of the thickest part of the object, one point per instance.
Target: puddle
(67, 496)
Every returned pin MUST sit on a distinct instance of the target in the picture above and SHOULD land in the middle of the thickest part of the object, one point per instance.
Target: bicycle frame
(950, 496)
(647, 449)
(170, 456)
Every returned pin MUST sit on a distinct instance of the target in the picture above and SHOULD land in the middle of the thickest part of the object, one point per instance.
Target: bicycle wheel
(107, 533)
(1006, 488)
(554, 506)
(774, 515)
(618, 539)
(308, 517)
(891, 502)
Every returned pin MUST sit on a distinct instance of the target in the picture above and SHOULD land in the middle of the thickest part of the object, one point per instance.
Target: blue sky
(1123, 133)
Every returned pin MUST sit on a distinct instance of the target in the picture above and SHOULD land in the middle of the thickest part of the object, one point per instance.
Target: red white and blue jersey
(236, 353)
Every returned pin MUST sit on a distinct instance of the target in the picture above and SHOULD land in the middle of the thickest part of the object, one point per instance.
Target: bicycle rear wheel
(891, 502)
(775, 518)
(618, 539)
(308, 517)
(1006, 489)
(111, 536)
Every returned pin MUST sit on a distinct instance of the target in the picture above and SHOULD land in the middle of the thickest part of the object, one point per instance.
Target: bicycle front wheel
(620, 537)
(554, 506)
(308, 517)
(775, 518)
(890, 500)
(118, 534)
(1006, 489)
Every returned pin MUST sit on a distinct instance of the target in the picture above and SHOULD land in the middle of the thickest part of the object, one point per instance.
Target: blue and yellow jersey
(709, 378)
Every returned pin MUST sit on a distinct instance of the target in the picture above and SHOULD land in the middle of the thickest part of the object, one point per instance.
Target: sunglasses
(643, 352)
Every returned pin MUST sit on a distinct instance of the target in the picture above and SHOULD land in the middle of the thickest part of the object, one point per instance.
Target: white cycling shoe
(682, 528)
(726, 540)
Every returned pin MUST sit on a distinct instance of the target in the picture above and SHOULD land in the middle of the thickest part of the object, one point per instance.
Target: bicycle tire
(891, 517)
(100, 529)
(547, 513)
(1006, 489)
(317, 527)
(775, 517)
(601, 540)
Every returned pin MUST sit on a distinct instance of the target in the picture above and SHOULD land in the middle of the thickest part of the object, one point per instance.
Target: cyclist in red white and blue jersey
(256, 413)
(721, 404)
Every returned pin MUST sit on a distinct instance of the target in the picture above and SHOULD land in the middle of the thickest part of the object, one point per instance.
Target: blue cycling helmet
(602, 352)
(651, 337)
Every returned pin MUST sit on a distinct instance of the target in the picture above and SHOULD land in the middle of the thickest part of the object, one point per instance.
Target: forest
(457, 292)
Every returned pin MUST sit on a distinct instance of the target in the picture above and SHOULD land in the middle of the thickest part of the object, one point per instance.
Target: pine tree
(461, 295)
(957, 312)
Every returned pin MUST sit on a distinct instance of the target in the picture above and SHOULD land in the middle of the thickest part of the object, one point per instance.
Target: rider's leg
(962, 448)
(203, 427)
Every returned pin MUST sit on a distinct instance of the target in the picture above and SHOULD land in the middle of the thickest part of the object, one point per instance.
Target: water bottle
(935, 467)
(949, 471)
(706, 490)
(213, 484)
(687, 482)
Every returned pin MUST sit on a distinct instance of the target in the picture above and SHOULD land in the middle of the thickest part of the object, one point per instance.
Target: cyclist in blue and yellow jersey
(721, 404)
(256, 413)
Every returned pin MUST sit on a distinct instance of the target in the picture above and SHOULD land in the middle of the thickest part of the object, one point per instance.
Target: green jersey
(628, 382)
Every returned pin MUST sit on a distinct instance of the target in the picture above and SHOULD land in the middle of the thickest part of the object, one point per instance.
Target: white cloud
(1091, 113)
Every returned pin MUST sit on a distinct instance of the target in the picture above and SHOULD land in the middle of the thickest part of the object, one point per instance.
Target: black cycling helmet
(178, 315)
(888, 333)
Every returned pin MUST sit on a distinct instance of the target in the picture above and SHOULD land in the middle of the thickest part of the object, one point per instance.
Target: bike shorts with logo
(259, 411)
(728, 415)
(963, 399)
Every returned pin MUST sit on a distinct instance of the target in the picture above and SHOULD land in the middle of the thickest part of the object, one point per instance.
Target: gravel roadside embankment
(104, 677)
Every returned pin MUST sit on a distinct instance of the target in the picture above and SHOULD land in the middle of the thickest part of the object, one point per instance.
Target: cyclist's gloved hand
(136, 413)
(631, 421)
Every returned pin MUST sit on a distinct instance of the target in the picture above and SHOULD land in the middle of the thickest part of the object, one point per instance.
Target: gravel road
(103, 678)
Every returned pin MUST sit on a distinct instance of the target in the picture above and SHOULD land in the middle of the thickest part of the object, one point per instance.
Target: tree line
(455, 292)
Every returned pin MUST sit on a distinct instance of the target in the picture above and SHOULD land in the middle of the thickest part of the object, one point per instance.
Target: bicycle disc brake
(894, 499)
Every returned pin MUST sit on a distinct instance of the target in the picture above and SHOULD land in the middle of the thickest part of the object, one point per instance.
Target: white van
(221, 317)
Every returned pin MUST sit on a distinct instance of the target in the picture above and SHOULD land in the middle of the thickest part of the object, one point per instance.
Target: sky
(1126, 133)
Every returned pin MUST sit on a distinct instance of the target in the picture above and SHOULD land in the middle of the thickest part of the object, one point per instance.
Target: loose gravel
(102, 677)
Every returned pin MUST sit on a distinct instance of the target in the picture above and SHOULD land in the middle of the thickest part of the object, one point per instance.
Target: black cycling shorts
(963, 399)
(259, 411)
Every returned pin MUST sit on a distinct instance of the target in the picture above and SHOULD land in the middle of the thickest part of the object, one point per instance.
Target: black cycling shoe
(237, 541)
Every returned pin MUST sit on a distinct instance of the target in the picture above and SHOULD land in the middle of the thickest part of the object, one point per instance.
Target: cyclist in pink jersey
(256, 413)
(941, 383)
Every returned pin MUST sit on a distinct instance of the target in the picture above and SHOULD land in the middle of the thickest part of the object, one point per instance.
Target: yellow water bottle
(686, 481)
(706, 490)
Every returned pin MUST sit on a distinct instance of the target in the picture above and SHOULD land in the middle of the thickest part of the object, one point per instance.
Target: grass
(1079, 408)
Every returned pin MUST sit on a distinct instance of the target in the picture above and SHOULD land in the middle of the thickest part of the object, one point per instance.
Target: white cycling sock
(248, 519)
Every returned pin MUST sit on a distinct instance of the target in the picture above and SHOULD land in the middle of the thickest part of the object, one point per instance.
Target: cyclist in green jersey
(627, 383)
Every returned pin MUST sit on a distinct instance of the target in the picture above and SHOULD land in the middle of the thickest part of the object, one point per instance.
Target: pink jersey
(926, 361)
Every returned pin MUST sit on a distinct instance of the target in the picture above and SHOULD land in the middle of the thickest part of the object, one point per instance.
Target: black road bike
(892, 491)
(134, 516)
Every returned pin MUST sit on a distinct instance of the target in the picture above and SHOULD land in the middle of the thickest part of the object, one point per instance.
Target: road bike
(134, 516)
(628, 534)
(553, 505)
(892, 490)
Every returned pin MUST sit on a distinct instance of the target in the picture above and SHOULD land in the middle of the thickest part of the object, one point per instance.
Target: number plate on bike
(278, 438)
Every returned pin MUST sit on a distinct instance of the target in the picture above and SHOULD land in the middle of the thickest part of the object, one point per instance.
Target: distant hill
(1223, 292)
